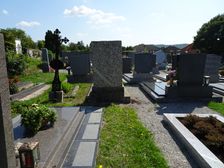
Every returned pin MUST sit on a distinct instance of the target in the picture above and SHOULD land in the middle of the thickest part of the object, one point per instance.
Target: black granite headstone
(127, 64)
(144, 62)
(191, 69)
(79, 62)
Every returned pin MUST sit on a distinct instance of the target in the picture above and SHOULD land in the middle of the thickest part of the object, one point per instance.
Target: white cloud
(5, 12)
(28, 24)
(94, 16)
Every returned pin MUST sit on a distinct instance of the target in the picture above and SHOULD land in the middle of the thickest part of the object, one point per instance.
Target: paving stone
(85, 154)
(95, 118)
(91, 131)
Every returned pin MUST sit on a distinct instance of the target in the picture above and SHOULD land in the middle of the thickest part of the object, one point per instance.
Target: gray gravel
(151, 116)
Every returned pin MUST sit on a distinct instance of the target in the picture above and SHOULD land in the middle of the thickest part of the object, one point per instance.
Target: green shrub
(66, 87)
(16, 63)
(13, 88)
(36, 116)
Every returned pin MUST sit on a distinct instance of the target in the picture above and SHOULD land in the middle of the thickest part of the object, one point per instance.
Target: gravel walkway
(151, 116)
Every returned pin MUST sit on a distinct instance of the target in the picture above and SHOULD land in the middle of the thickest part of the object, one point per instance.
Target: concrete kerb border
(204, 157)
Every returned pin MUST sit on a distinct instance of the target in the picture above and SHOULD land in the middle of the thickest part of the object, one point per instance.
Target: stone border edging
(203, 155)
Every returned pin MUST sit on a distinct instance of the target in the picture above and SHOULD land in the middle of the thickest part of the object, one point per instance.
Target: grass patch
(40, 77)
(77, 100)
(219, 107)
(125, 142)
(33, 65)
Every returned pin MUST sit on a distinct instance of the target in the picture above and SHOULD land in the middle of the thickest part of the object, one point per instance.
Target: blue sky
(132, 21)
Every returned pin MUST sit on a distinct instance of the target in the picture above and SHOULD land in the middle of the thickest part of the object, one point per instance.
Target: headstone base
(107, 94)
(79, 78)
(56, 96)
(189, 91)
(139, 77)
(45, 67)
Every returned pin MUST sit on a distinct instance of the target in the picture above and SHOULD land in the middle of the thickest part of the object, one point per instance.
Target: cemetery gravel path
(151, 116)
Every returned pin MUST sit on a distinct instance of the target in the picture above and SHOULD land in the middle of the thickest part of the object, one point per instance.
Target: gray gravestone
(144, 62)
(191, 69)
(7, 154)
(190, 75)
(107, 70)
(127, 64)
(79, 62)
(45, 60)
(212, 65)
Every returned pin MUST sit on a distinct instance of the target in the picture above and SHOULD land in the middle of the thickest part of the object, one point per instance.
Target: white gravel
(151, 116)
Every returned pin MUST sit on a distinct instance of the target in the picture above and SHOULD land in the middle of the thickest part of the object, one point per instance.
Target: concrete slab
(95, 118)
(91, 131)
(85, 154)
(202, 154)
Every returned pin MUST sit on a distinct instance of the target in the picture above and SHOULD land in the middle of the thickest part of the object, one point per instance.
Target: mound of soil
(208, 130)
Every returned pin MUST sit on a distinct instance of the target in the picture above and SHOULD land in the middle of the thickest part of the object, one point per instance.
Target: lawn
(125, 142)
(40, 77)
(219, 107)
(78, 99)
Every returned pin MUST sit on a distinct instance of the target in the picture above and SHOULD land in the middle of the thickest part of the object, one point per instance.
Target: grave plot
(188, 84)
(144, 66)
(203, 156)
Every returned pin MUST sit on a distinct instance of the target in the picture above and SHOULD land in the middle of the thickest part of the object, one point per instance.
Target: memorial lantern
(29, 155)
(206, 80)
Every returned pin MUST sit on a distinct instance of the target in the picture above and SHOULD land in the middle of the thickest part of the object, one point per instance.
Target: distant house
(190, 50)
(161, 59)
(146, 48)
(171, 51)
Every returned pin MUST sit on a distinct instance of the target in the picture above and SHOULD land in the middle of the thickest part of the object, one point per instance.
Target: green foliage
(40, 44)
(67, 87)
(125, 142)
(11, 34)
(210, 37)
(36, 116)
(219, 107)
(209, 130)
(13, 88)
(16, 64)
(40, 77)
(49, 39)
(79, 46)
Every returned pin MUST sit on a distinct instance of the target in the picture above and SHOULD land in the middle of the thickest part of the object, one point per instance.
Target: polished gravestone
(107, 71)
(127, 64)
(7, 154)
(190, 82)
(212, 65)
(45, 60)
(80, 65)
(144, 66)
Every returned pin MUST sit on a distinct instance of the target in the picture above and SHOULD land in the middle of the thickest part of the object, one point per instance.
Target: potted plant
(36, 116)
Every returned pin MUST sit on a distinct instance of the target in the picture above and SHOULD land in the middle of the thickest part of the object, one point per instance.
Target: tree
(40, 44)
(210, 37)
(49, 38)
(11, 34)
